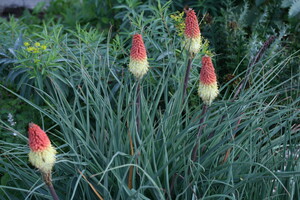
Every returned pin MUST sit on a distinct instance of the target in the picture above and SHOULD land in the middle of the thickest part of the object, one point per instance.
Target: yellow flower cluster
(138, 67)
(208, 92)
(43, 160)
(205, 46)
(179, 22)
(35, 48)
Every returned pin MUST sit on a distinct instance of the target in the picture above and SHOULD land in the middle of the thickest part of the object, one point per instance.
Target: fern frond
(294, 9)
(286, 3)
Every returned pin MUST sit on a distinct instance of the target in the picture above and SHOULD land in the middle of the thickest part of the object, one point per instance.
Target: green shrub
(37, 65)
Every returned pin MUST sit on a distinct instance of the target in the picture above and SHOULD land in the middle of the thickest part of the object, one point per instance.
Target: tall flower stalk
(243, 83)
(138, 66)
(42, 154)
(192, 42)
(207, 91)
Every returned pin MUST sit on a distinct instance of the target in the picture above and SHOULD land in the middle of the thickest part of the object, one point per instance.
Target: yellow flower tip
(26, 44)
(37, 44)
(179, 22)
(32, 50)
(29, 49)
(208, 92)
(193, 45)
(43, 47)
(138, 67)
(43, 160)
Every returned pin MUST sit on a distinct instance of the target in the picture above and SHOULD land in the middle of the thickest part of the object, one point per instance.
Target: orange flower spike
(38, 140)
(192, 32)
(138, 64)
(208, 87)
(42, 153)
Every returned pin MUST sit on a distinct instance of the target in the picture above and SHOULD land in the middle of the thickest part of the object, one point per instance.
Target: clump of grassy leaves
(93, 122)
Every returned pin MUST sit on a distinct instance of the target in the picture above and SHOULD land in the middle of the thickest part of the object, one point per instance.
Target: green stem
(195, 149)
(250, 67)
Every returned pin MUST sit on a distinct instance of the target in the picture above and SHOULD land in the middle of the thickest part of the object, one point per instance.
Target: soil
(15, 11)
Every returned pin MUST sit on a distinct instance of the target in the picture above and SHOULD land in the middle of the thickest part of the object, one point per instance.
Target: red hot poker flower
(138, 50)
(38, 140)
(192, 29)
(138, 64)
(42, 154)
(208, 87)
(192, 32)
(207, 74)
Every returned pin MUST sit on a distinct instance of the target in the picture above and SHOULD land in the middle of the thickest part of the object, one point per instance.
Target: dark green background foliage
(79, 90)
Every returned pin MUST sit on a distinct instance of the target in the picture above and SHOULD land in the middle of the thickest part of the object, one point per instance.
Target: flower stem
(138, 106)
(138, 127)
(130, 175)
(48, 181)
(242, 85)
(195, 149)
(250, 67)
(53, 193)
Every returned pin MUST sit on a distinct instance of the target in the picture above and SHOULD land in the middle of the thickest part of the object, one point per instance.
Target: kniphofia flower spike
(192, 32)
(42, 153)
(138, 64)
(208, 87)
